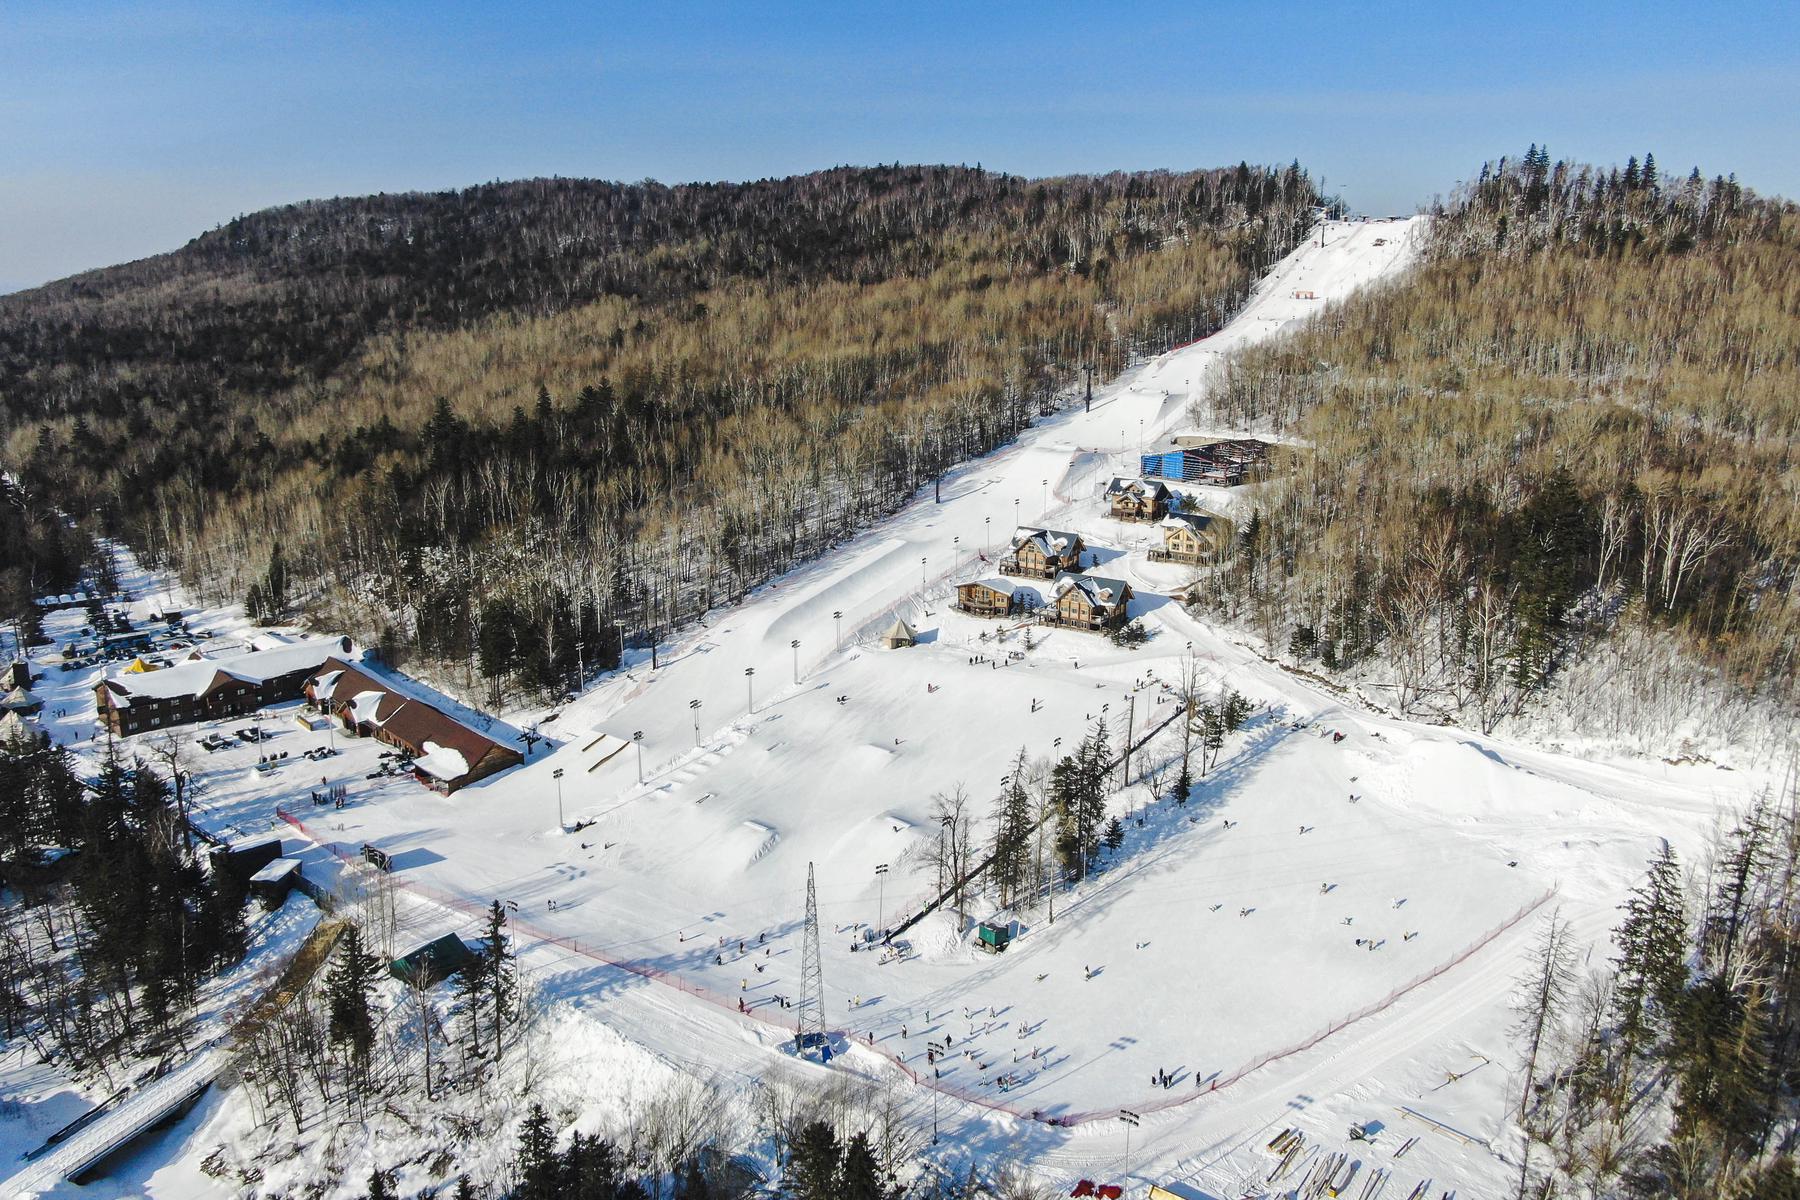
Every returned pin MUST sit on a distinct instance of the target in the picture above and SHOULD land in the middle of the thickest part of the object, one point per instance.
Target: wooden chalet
(1090, 602)
(1194, 538)
(1138, 499)
(1043, 553)
(208, 689)
(447, 751)
(995, 597)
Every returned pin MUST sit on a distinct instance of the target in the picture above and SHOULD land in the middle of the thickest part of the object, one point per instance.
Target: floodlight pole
(795, 647)
(750, 687)
(637, 739)
(881, 870)
(557, 775)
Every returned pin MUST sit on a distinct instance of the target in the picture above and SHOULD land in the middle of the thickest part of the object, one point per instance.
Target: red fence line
(657, 975)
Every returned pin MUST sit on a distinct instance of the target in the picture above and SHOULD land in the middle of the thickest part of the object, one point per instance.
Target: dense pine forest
(558, 413)
(111, 924)
(1558, 457)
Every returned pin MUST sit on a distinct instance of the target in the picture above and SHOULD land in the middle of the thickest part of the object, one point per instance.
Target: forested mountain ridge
(537, 409)
(307, 281)
(1558, 457)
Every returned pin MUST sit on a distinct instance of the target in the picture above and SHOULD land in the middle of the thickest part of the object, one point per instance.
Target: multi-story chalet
(1090, 602)
(1138, 499)
(1193, 537)
(1043, 553)
(993, 597)
(207, 689)
(447, 751)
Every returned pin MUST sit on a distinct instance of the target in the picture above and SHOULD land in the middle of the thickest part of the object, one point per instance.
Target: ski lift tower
(809, 1030)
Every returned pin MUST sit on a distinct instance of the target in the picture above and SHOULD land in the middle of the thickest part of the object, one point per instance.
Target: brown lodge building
(447, 752)
(209, 689)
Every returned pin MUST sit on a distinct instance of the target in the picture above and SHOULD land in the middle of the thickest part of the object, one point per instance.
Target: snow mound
(935, 939)
(749, 842)
(871, 757)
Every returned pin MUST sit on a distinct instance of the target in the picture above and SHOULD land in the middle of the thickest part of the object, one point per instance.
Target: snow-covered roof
(1122, 484)
(1050, 541)
(365, 707)
(19, 698)
(415, 717)
(195, 677)
(276, 870)
(1195, 520)
(1001, 584)
(900, 631)
(1096, 588)
(324, 682)
(441, 762)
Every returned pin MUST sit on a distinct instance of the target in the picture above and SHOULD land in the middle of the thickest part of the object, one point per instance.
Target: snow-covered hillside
(1325, 933)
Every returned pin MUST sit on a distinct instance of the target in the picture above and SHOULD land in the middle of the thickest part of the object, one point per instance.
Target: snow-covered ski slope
(1324, 933)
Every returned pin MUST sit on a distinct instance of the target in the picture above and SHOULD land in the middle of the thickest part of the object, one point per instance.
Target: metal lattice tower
(810, 1029)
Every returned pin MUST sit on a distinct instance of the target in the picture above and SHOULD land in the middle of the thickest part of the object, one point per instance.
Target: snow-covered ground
(1226, 943)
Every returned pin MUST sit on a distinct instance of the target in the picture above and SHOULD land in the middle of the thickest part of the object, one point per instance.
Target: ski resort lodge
(1138, 499)
(1090, 602)
(1043, 553)
(1193, 538)
(447, 752)
(993, 597)
(142, 698)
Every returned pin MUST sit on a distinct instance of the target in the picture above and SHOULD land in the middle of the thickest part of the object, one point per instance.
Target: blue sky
(127, 128)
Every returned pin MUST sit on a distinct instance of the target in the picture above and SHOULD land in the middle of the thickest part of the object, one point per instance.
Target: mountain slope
(495, 405)
(1558, 457)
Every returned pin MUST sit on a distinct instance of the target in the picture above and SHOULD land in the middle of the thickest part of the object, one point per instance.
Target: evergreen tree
(539, 1166)
(812, 1169)
(497, 972)
(349, 998)
(1115, 834)
(859, 1175)
(465, 1189)
(691, 1183)
(1210, 735)
(593, 1169)
(1723, 926)
(1012, 833)
(381, 1185)
(1652, 959)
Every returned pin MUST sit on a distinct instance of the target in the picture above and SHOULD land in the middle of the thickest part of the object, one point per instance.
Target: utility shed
(274, 880)
(432, 963)
(244, 859)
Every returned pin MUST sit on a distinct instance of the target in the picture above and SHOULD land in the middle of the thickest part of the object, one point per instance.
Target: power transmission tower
(810, 1030)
